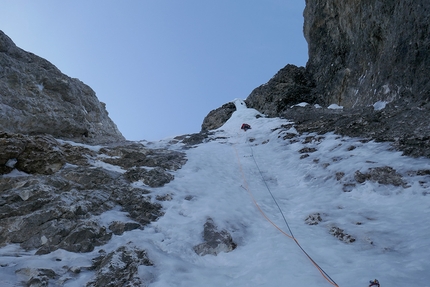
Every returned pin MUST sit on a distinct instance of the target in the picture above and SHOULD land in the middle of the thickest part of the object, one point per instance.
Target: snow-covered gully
(355, 229)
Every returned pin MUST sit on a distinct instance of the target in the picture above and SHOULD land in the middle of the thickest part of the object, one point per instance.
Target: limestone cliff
(360, 53)
(36, 98)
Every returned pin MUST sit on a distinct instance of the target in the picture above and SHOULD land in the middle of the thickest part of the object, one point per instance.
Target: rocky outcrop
(54, 195)
(33, 277)
(290, 86)
(59, 192)
(371, 58)
(215, 240)
(216, 118)
(341, 235)
(38, 154)
(137, 155)
(155, 177)
(36, 98)
(119, 268)
(406, 127)
(53, 188)
(381, 175)
(364, 52)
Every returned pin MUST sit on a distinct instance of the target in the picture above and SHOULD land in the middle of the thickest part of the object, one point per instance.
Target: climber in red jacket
(245, 127)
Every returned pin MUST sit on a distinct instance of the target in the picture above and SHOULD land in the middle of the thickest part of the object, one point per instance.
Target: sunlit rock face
(36, 98)
(361, 52)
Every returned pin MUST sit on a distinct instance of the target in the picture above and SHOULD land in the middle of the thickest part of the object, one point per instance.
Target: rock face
(57, 192)
(47, 204)
(290, 86)
(54, 195)
(216, 118)
(406, 126)
(361, 52)
(373, 59)
(36, 154)
(36, 98)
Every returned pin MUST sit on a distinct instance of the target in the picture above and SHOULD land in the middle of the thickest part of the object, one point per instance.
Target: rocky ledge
(403, 122)
(55, 194)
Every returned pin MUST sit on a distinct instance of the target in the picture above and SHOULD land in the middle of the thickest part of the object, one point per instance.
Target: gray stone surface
(382, 175)
(54, 193)
(136, 155)
(215, 240)
(47, 208)
(291, 85)
(119, 268)
(36, 98)
(405, 126)
(361, 52)
(216, 118)
(155, 177)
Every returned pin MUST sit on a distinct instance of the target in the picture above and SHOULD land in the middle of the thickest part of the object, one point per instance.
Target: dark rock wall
(290, 86)
(361, 52)
(36, 98)
(216, 118)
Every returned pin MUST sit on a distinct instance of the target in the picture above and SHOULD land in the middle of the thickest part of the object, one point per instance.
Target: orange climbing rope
(246, 187)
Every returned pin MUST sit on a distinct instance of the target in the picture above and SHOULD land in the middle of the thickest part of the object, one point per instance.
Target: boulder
(215, 241)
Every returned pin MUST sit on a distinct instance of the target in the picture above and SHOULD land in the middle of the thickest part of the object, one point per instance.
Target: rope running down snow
(246, 187)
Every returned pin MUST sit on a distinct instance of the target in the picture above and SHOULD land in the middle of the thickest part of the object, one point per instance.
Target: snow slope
(389, 223)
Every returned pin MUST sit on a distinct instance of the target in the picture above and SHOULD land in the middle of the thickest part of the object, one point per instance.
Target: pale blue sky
(161, 65)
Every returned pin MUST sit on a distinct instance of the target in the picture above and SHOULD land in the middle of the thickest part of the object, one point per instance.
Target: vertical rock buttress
(361, 52)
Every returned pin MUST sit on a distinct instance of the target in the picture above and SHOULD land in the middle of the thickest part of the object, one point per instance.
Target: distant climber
(245, 127)
(374, 283)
